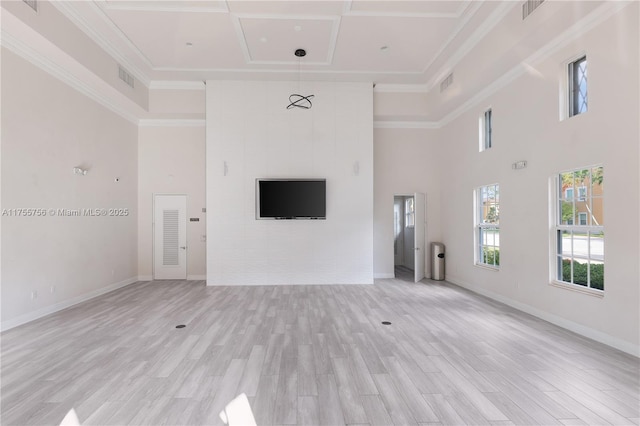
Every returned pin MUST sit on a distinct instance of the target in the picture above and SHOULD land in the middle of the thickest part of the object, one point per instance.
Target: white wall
(406, 161)
(249, 127)
(47, 129)
(171, 160)
(527, 127)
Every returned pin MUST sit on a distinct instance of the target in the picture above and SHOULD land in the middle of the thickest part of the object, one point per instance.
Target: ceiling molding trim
(176, 85)
(406, 125)
(152, 7)
(68, 10)
(463, 7)
(400, 88)
(27, 53)
(458, 28)
(242, 39)
(478, 35)
(453, 15)
(596, 17)
(289, 71)
(162, 122)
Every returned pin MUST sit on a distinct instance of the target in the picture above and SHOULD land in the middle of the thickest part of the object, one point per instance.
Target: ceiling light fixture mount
(296, 100)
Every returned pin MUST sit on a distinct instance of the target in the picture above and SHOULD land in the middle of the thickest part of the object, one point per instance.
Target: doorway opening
(408, 236)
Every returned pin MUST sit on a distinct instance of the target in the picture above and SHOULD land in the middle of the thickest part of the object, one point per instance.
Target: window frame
(481, 227)
(576, 232)
(573, 92)
(485, 129)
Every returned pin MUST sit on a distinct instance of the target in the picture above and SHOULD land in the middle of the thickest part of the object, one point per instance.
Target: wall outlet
(34, 294)
(53, 289)
(203, 238)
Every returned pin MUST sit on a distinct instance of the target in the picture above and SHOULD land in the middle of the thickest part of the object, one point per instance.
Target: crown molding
(176, 85)
(478, 35)
(155, 7)
(400, 88)
(162, 122)
(406, 125)
(24, 51)
(69, 11)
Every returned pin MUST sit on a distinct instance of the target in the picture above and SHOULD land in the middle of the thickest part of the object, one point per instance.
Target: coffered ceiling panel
(298, 7)
(180, 40)
(274, 40)
(391, 44)
(432, 8)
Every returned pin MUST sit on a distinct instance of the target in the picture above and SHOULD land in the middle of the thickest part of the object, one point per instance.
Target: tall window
(580, 228)
(488, 226)
(578, 87)
(485, 130)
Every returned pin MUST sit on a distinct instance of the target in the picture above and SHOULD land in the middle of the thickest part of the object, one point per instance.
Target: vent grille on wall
(125, 76)
(170, 238)
(448, 81)
(529, 6)
(33, 4)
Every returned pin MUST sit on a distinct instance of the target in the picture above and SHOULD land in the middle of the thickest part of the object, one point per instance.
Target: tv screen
(291, 199)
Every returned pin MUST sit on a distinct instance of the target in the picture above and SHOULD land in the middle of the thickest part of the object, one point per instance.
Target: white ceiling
(387, 41)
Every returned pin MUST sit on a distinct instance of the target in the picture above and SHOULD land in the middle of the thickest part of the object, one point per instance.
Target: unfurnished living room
(319, 212)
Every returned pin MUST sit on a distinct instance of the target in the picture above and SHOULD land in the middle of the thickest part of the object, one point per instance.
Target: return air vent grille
(448, 81)
(529, 6)
(33, 4)
(170, 238)
(125, 76)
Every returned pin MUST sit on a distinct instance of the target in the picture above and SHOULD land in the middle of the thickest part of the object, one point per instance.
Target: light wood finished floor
(310, 355)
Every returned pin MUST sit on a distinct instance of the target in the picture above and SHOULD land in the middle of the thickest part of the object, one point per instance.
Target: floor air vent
(529, 6)
(125, 76)
(33, 4)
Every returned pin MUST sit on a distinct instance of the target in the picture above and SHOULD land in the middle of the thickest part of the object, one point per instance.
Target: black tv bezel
(258, 180)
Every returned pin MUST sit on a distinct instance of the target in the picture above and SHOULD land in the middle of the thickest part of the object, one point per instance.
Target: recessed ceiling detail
(284, 34)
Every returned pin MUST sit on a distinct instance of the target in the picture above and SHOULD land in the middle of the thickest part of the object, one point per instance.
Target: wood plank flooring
(310, 355)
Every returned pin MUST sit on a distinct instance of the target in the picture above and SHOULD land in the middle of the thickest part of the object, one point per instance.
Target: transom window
(488, 226)
(578, 96)
(580, 228)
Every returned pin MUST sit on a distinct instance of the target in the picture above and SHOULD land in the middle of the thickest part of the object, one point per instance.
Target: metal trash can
(437, 261)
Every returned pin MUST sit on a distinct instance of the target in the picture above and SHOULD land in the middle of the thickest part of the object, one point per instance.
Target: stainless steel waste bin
(437, 261)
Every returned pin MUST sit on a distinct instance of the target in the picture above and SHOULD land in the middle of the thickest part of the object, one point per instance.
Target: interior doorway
(409, 236)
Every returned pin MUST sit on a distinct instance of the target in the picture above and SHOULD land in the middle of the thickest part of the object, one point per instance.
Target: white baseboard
(32, 316)
(145, 278)
(196, 277)
(585, 331)
(383, 275)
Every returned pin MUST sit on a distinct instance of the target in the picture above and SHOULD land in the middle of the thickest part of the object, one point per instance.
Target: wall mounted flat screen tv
(291, 199)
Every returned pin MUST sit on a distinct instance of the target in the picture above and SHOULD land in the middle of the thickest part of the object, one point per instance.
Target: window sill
(487, 267)
(577, 288)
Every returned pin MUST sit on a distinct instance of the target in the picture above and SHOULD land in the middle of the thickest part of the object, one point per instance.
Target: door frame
(426, 231)
(153, 232)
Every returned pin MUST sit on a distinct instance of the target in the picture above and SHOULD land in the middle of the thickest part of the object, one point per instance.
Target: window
(485, 130)
(568, 193)
(578, 87)
(580, 228)
(488, 226)
(409, 213)
(582, 193)
(582, 219)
